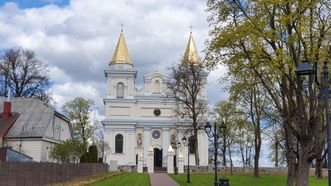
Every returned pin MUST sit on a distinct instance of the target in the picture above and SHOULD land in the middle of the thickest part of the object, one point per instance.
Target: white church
(140, 123)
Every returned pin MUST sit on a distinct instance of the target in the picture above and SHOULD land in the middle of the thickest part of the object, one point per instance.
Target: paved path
(161, 179)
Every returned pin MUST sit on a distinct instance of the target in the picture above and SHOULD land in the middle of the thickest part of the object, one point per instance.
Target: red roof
(6, 124)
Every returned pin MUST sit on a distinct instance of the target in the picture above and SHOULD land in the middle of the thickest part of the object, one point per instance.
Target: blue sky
(36, 3)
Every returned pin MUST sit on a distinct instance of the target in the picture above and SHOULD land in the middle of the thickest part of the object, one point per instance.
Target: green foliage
(93, 153)
(85, 158)
(263, 42)
(67, 152)
(77, 111)
(134, 179)
(91, 156)
(240, 180)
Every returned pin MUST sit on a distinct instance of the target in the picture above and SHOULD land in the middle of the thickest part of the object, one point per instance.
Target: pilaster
(170, 162)
(165, 144)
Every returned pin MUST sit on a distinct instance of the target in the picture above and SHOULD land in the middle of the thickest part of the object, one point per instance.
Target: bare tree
(186, 86)
(23, 74)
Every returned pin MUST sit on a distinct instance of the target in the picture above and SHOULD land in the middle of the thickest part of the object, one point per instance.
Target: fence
(33, 173)
(247, 170)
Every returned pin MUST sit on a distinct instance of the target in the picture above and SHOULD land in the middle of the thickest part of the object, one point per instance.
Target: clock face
(157, 112)
(156, 134)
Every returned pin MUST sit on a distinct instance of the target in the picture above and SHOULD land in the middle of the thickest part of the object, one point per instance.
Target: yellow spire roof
(191, 53)
(121, 54)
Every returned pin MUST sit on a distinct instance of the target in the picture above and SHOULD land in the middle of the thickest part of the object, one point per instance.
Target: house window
(120, 90)
(192, 144)
(157, 86)
(119, 143)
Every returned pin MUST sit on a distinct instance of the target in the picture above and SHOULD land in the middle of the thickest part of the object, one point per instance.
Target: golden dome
(121, 54)
(191, 53)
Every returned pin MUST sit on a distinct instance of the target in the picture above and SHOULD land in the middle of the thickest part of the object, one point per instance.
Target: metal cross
(122, 25)
(191, 27)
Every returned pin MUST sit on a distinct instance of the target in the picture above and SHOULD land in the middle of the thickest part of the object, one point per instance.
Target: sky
(77, 38)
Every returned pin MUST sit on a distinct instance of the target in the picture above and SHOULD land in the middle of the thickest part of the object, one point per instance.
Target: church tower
(121, 75)
(191, 56)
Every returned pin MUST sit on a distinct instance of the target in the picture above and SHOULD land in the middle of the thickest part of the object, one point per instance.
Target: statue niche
(139, 140)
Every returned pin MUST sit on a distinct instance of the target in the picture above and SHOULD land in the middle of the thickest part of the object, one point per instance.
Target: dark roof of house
(34, 117)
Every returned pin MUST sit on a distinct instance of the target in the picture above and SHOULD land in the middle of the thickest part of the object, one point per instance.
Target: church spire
(121, 54)
(191, 53)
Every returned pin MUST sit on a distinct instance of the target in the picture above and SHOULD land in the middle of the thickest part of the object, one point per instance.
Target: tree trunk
(292, 170)
(303, 168)
(224, 149)
(230, 158)
(319, 168)
(276, 151)
(196, 144)
(257, 152)
(291, 157)
(242, 156)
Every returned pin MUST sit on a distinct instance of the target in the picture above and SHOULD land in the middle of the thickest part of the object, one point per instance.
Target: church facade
(138, 120)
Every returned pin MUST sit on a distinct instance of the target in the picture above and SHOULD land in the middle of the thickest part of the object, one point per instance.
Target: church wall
(147, 140)
(134, 114)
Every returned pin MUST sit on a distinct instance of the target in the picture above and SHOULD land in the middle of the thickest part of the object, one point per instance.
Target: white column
(140, 162)
(203, 148)
(171, 153)
(180, 164)
(147, 141)
(129, 143)
(150, 160)
(165, 144)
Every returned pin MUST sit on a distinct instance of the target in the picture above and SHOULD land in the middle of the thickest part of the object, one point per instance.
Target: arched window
(157, 88)
(120, 90)
(119, 143)
(192, 144)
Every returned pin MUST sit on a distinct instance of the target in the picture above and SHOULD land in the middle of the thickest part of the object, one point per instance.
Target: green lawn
(241, 180)
(127, 179)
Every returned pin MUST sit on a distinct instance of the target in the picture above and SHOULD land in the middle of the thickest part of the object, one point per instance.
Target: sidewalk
(161, 179)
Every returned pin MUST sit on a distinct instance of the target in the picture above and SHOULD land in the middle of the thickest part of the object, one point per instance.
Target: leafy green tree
(91, 156)
(268, 39)
(77, 111)
(67, 152)
(227, 112)
(245, 139)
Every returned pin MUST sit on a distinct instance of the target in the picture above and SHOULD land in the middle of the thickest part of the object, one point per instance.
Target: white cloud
(77, 41)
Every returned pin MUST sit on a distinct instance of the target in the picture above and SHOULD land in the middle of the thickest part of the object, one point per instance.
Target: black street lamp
(186, 143)
(306, 69)
(223, 181)
(175, 144)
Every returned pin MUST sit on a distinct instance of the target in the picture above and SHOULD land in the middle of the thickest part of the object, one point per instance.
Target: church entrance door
(157, 157)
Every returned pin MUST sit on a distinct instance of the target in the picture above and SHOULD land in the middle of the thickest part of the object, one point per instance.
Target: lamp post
(215, 136)
(307, 69)
(175, 145)
(186, 142)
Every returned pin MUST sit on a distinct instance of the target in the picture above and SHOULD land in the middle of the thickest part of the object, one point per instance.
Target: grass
(88, 179)
(127, 179)
(241, 180)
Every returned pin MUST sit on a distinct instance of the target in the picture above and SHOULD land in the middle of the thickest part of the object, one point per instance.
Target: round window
(157, 112)
(156, 134)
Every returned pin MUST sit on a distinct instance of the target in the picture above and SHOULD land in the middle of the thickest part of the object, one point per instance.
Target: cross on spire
(191, 27)
(122, 25)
